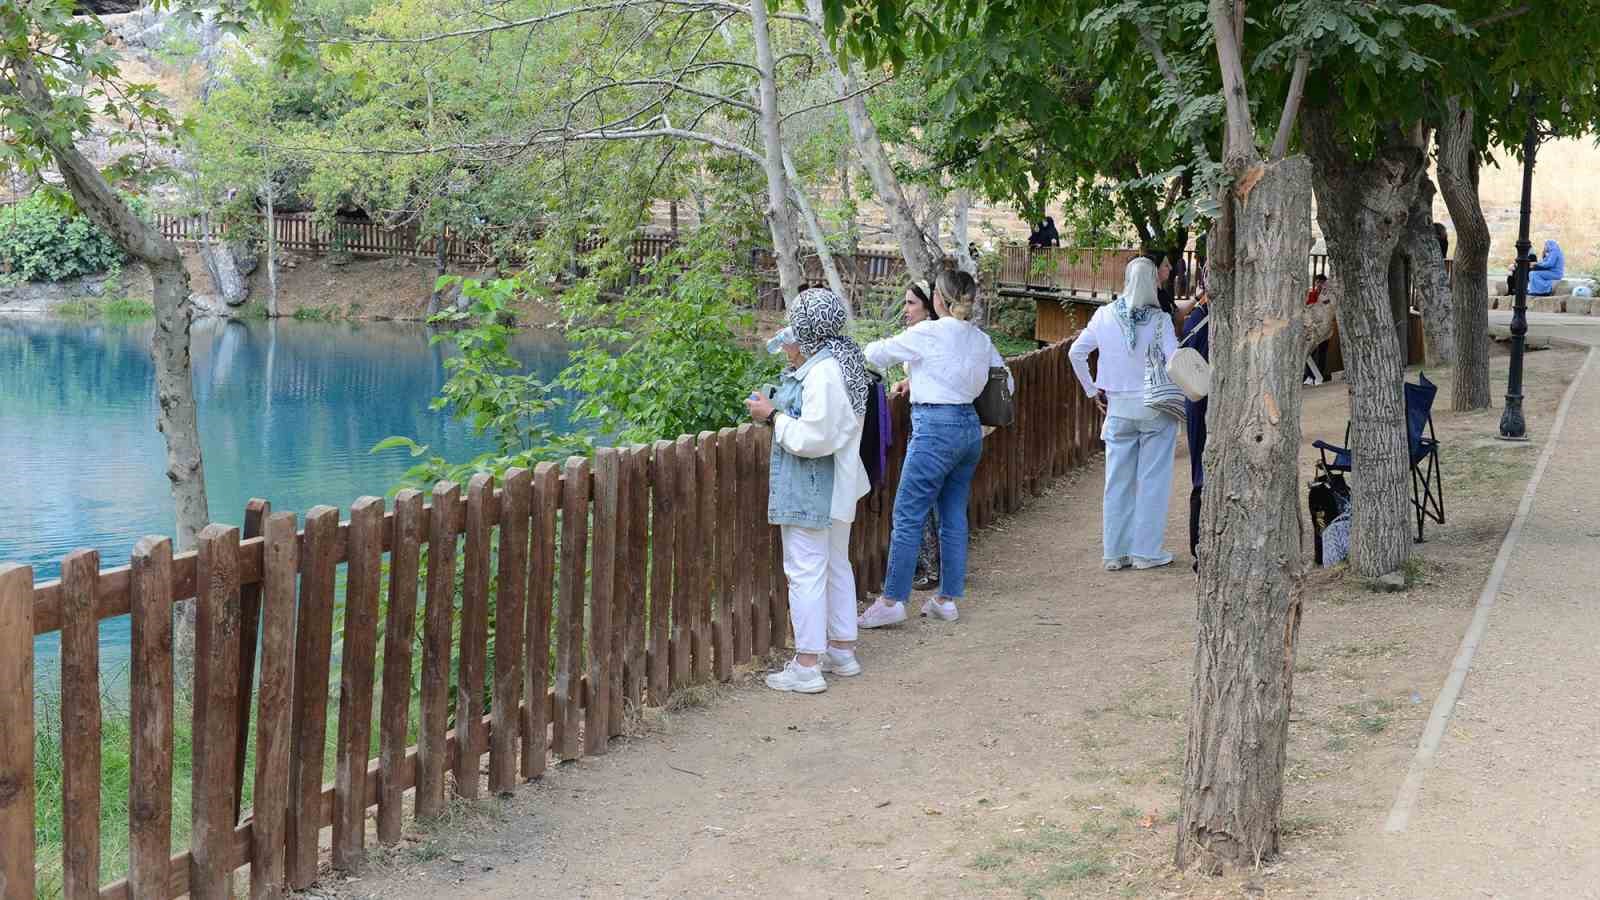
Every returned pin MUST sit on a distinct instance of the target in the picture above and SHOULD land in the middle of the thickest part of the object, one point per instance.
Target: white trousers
(822, 588)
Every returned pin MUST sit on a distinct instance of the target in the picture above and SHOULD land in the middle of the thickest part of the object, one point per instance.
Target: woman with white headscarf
(1139, 440)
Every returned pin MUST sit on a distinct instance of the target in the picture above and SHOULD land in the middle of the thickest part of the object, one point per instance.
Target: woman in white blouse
(1139, 440)
(948, 361)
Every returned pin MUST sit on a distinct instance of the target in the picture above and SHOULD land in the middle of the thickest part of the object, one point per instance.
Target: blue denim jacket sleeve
(800, 490)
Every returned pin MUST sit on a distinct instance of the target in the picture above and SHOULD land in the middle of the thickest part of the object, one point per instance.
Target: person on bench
(1544, 274)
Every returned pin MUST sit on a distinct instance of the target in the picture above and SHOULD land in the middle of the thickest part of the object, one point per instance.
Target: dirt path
(1032, 749)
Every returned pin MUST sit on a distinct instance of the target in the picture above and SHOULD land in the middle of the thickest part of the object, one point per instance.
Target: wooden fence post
(509, 618)
(731, 649)
(569, 639)
(313, 648)
(438, 616)
(150, 708)
(364, 573)
(274, 722)
(16, 738)
(255, 519)
(474, 635)
(80, 723)
(216, 685)
(685, 528)
(399, 632)
(597, 726)
(663, 470)
(705, 562)
(541, 581)
(637, 510)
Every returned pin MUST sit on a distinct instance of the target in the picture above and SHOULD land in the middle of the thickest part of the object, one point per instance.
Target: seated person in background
(1544, 274)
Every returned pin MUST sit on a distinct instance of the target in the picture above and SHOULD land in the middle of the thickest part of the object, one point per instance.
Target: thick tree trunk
(814, 230)
(1469, 292)
(1399, 281)
(272, 255)
(1362, 209)
(1248, 609)
(785, 245)
(921, 261)
(1429, 285)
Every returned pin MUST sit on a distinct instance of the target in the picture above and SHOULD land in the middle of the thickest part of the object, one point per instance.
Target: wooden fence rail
(645, 570)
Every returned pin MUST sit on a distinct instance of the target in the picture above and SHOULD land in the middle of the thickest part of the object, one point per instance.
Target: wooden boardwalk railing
(665, 547)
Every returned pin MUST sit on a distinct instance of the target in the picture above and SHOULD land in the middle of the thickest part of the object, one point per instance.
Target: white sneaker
(1118, 564)
(843, 666)
(797, 678)
(882, 613)
(943, 610)
(1164, 559)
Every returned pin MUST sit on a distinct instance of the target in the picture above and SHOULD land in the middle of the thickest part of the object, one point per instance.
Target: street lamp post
(1513, 427)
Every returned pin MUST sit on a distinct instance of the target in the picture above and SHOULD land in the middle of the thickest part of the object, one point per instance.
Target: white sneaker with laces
(797, 678)
(1117, 565)
(943, 610)
(1140, 562)
(882, 613)
(843, 666)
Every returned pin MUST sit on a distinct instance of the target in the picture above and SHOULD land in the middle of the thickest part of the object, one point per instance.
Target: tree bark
(785, 246)
(441, 258)
(1430, 286)
(1400, 299)
(1248, 609)
(1362, 209)
(921, 261)
(1469, 292)
(830, 271)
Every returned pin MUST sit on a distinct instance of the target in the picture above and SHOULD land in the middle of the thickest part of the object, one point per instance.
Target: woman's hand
(901, 387)
(1100, 401)
(760, 407)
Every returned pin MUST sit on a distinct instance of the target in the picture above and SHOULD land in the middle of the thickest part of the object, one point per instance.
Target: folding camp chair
(1427, 483)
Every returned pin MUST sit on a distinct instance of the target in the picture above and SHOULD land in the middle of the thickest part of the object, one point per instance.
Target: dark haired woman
(919, 308)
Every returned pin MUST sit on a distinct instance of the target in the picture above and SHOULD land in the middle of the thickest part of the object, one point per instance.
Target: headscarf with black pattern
(819, 318)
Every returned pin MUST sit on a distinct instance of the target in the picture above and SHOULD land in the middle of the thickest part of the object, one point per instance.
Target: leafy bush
(664, 358)
(41, 241)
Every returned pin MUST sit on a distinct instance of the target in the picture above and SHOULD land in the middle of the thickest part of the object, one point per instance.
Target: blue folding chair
(1427, 483)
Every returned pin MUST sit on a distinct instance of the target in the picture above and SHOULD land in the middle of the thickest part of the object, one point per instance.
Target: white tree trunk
(785, 246)
(959, 232)
(272, 255)
(814, 230)
(921, 261)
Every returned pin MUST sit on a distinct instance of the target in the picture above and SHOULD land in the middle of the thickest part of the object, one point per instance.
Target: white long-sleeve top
(828, 424)
(947, 359)
(1120, 372)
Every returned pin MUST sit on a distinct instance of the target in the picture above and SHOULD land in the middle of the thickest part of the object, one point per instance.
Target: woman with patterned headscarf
(817, 415)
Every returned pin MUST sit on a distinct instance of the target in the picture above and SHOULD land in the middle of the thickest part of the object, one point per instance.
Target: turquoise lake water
(288, 412)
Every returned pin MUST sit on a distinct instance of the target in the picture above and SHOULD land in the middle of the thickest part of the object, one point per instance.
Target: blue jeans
(1138, 485)
(946, 443)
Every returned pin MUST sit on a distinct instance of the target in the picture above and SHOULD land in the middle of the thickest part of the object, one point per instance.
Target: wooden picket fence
(648, 569)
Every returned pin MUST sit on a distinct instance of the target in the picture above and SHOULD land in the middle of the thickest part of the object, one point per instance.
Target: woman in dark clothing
(1196, 334)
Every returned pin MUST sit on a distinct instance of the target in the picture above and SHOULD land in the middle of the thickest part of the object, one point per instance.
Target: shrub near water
(41, 241)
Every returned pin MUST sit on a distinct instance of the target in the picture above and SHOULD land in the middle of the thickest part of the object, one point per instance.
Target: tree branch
(1291, 104)
(1499, 17)
(687, 6)
(844, 99)
(1240, 133)
(1147, 37)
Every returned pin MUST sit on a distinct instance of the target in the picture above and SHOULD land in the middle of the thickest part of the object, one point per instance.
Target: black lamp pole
(1513, 427)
